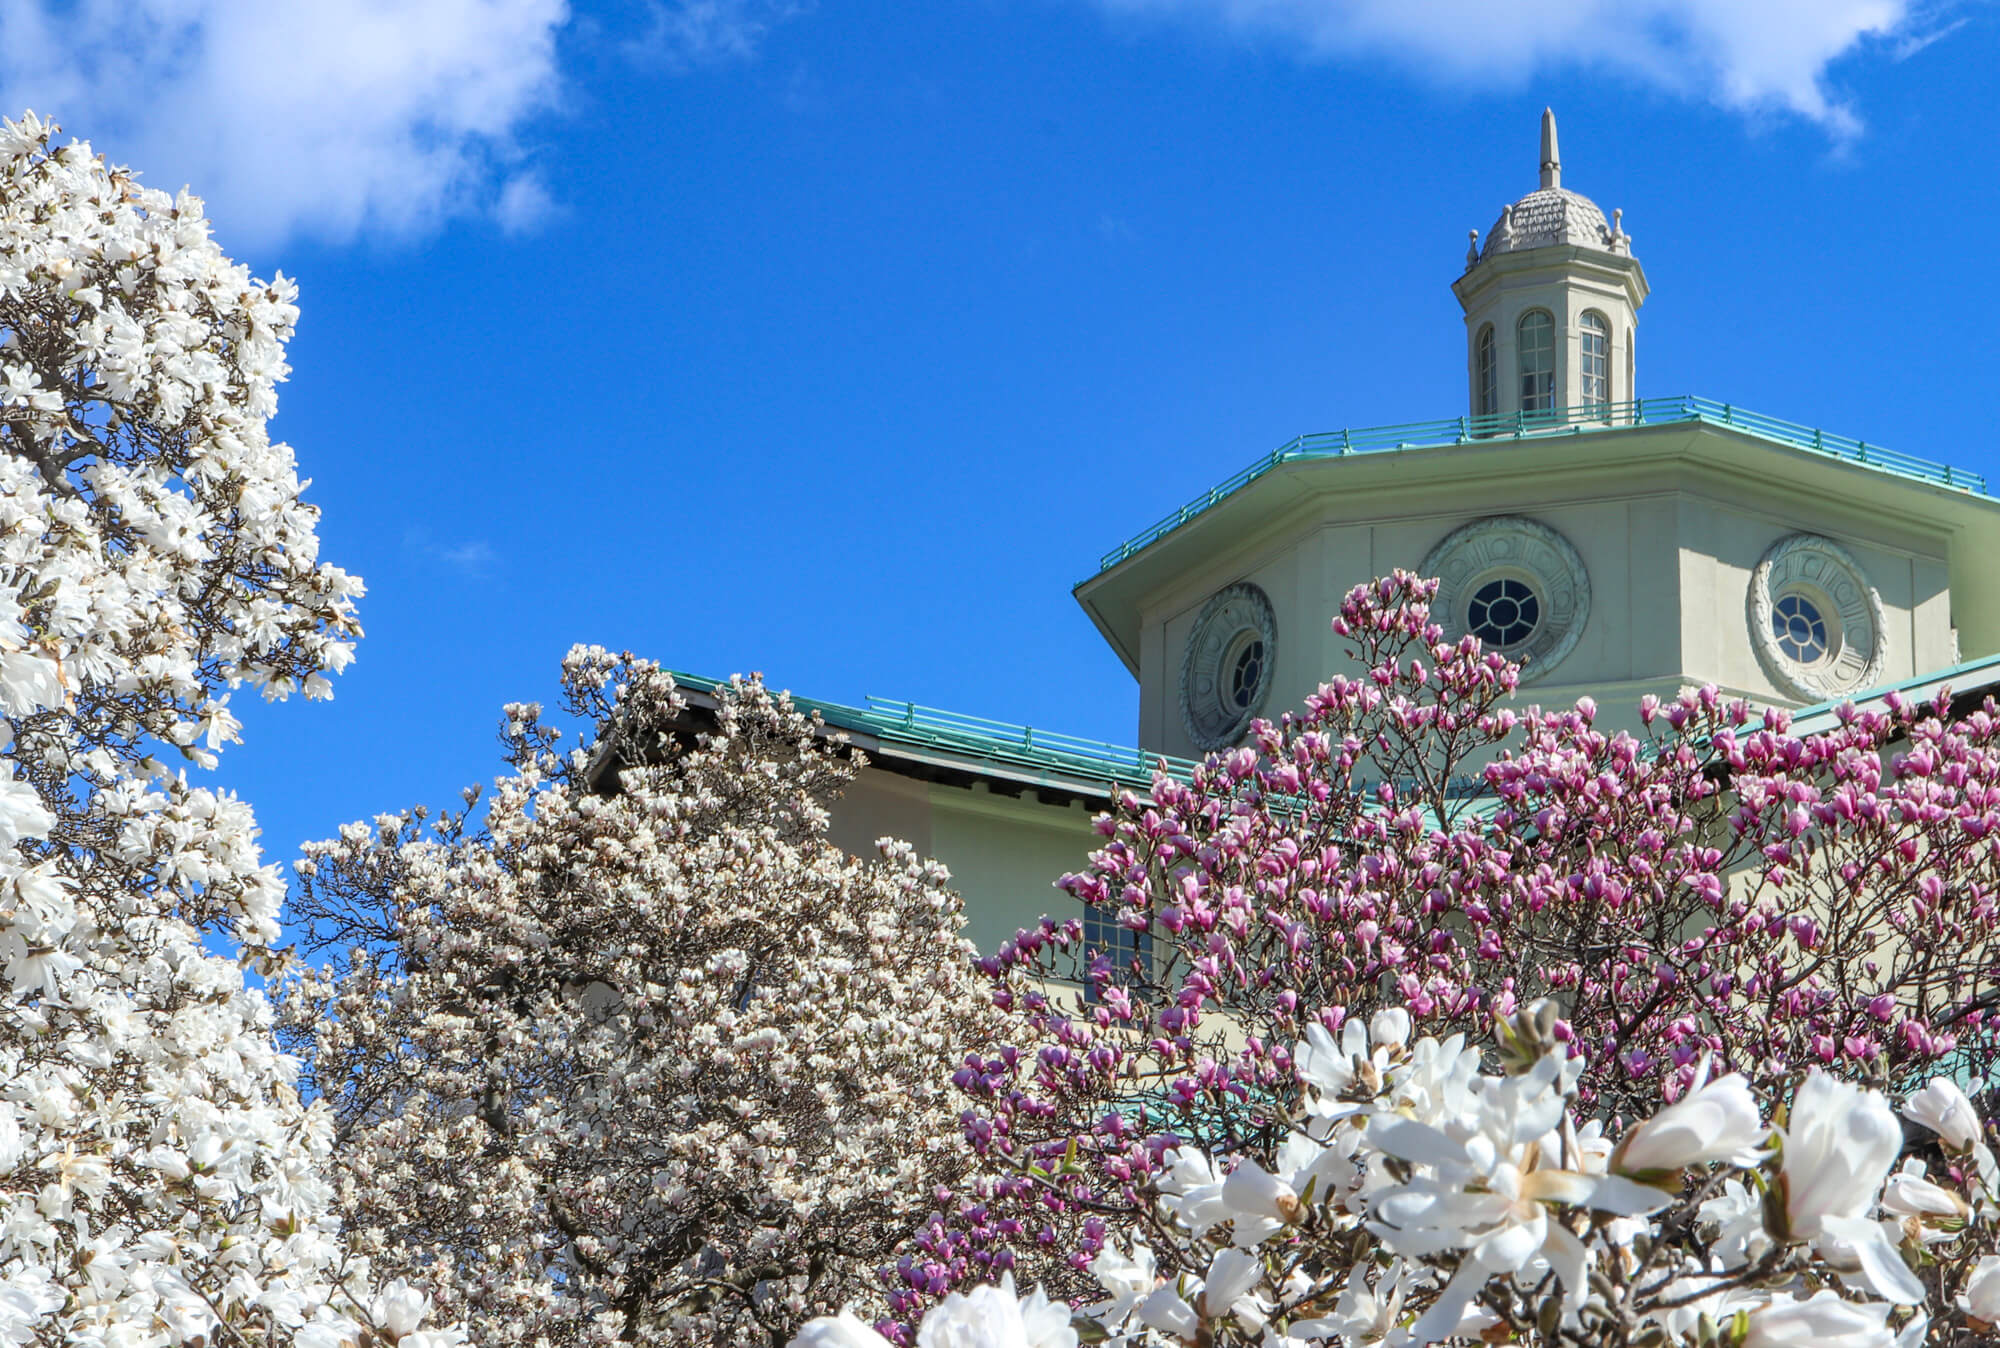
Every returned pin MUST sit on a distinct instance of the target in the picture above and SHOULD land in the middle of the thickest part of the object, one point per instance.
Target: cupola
(1551, 306)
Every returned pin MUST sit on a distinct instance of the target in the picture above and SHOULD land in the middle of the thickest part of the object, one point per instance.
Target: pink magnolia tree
(639, 1055)
(1715, 888)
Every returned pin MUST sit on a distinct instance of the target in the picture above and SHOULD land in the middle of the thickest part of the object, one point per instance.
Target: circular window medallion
(1226, 672)
(1816, 621)
(1514, 583)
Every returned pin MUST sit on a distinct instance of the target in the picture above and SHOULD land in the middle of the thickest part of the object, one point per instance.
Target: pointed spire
(1552, 169)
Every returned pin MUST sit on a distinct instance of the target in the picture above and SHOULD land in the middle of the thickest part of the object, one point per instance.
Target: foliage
(664, 1065)
(160, 1179)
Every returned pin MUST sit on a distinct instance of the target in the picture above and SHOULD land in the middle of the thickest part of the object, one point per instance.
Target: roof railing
(907, 723)
(1559, 421)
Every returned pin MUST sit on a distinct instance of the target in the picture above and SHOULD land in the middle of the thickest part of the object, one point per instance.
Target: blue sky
(838, 340)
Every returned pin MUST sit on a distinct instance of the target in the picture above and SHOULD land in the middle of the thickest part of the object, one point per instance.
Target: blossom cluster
(1418, 1197)
(161, 1179)
(1708, 885)
(643, 1055)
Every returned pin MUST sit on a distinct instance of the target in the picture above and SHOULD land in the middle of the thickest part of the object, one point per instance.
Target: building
(1616, 545)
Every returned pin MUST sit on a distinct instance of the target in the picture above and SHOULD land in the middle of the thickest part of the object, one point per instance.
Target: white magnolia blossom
(1715, 1121)
(1128, 1278)
(986, 1317)
(662, 1062)
(1431, 1202)
(1981, 1297)
(161, 1179)
(1840, 1145)
(1942, 1107)
(1822, 1320)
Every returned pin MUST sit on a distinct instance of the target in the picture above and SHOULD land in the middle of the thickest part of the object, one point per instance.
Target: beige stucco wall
(1005, 853)
(1005, 856)
(1722, 542)
(879, 804)
(1669, 572)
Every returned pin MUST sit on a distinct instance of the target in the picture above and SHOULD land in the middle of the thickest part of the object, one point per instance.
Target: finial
(1472, 248)
(1621, 242)
(1552, 169)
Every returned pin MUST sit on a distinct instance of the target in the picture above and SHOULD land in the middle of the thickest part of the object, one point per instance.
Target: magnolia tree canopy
(1715, 895)
(160, 1179)
(1418, 1197)
(664, 1065)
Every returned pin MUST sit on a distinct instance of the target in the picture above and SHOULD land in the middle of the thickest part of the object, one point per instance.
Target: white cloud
(1750, 55)
(703, 32)
(524, 204)
(296, 117)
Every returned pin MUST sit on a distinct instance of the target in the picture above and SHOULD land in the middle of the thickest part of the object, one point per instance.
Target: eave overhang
(930, 745)
(1530, 265)
(1357, 475)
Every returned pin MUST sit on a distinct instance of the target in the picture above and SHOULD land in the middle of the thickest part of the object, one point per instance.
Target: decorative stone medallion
(1226, 670)
(1516, 584)
(1816, 622)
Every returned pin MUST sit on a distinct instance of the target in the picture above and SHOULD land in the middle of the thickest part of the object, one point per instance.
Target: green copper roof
(1966, 679)
(973, 741)
(1540, 425)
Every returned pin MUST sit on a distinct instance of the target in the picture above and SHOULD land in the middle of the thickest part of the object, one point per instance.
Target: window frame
(1537, 399)
(1486, 373)
(1104, 933)
(1593, 326)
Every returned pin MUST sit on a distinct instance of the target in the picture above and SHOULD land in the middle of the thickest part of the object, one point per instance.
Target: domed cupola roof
(1552, 214)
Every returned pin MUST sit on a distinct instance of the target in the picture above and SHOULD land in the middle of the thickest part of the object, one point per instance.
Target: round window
(1504, 612)
(1816, 620)
(1799, 630)
(1226, 671)
(1517, 585)
(1246, 671)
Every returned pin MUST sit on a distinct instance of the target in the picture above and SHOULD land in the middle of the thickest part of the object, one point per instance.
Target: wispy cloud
(298, 117)
(704, 32)
(524, 204)
(1748, 55)
(1913, 42)
(475, 557)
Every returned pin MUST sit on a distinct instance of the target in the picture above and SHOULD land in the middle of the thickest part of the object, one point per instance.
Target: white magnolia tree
(663, 1065)
(160, 1179)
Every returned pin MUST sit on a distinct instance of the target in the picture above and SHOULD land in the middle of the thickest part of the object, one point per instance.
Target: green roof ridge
(1001, 742)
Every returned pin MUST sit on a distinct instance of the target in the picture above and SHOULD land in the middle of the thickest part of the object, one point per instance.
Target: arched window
(1631, 365)
(1594, 350)
(1487, 401)
(1537, 349)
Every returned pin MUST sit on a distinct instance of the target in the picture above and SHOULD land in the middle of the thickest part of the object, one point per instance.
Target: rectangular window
(1596, 356)
(1489, 375)
(1103, 933)
(1538, 363)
